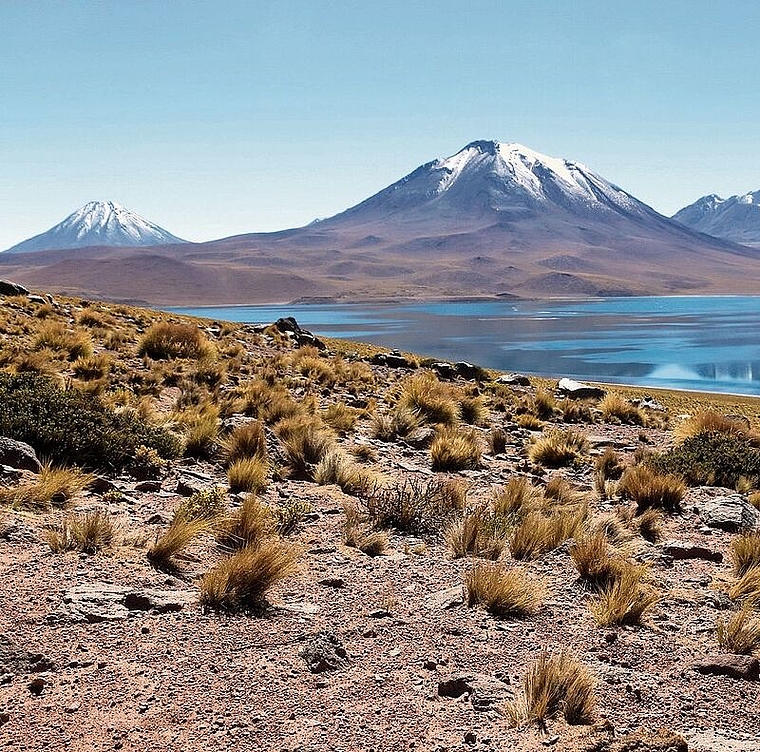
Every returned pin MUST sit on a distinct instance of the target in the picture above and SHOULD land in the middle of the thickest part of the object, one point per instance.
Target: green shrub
(712, 459)
(68, 426)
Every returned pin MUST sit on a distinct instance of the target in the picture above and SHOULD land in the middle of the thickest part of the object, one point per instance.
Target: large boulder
(18, 454)
(730, 512)
(579, 390)
(393, 359)
(12, 288)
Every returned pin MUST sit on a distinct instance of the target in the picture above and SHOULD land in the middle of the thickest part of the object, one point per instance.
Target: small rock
(148, 486)
(731, 513)
(513, 379)
(18, 455)
(302, 337)
(420, 438)
(445, 599)
(324, 652)
(379, 613)
(333, 582)
(578, 390)
(4, 717)
(680, 550)
(469, 371)
(470, 737)
(744, 667)
(187, 486)
(37, 685)
(393, 359)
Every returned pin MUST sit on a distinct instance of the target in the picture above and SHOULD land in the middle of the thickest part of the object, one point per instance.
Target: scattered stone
(333, 582)
(393, 359)
(680, 550)
(470, 372)
(444, 370)
(18, 454)
(445, 599)
(99, 602)
(513, 379)
(731, 513)
(485, 692)
(37, 685)
(579, 390)
(324, 652)
(744, 667)
(12, 288)
(420, 438)
(148, 486)
(187, 486)
(302, 337)
(16, 660)
(723, 740)
(36, 299)
(4, 718)
(379, 613)
(649, 403)
(100, 484)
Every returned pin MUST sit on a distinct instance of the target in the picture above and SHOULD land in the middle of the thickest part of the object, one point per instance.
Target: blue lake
(703, 343)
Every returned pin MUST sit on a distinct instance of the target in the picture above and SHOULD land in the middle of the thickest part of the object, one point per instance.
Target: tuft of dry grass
(478, 532)
(497, 440)
(305, 441)
(740, 632)
(454, 450)
(553, 684)
(536, 534)
(165, 340)
(55, 336)
(338, 469)
(355, 534)
(53, 487)
(615, 409)
(241, 582)
(557, 448)
(244, 441)
(247, 526)
(745, 551)
(180, 534)
(340, 418)
(517, 497)
(651, 490)
(503, 592)
(430, 400)
(201, 431)
(596, 562)
(544, 404)
(747, 587)
(710, 421)
(626, 600)
(248, 474)
(473, 410)
(529, 422)
(88, 532)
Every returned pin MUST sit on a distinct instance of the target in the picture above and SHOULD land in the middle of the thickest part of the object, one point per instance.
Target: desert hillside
(216, 536)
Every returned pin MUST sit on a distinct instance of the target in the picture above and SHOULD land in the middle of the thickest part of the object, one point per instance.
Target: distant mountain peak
(495, 179)
(99, 223)
(736, 218)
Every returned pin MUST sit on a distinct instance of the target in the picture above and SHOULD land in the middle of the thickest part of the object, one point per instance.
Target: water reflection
(707, 343)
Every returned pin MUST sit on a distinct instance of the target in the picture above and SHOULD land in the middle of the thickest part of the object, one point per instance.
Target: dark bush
(711, 459)
(67, 426)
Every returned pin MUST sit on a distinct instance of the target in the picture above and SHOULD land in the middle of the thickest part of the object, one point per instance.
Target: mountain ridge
(495, 218)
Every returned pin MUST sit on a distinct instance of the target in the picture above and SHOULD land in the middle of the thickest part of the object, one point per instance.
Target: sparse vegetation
(503, 592)
(626, 600)
(557, 448)
(54, 487)
(167, 340)
(241, 581)
(739, 632)
(555, 683)
(651, 490)
(454, 449)
(88, 532)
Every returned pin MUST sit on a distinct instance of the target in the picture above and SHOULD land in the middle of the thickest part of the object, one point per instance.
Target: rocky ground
(352, 652)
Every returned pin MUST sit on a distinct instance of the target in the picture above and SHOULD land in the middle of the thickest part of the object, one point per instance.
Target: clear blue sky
(213, 119)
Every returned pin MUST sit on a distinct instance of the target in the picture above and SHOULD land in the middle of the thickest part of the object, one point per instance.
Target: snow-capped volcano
(98, 223)
(736, 218)
(501, 180)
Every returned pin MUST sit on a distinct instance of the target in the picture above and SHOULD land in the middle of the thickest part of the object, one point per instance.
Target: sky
(217, 118)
